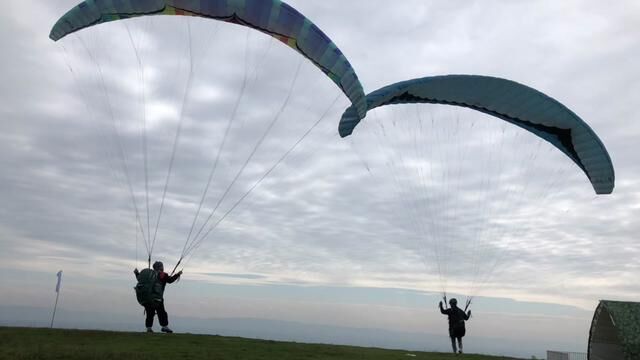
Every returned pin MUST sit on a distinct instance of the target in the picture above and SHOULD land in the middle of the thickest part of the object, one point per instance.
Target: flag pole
(55, 307)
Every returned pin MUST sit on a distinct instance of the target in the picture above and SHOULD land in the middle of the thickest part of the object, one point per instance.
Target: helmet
(158, 266)
(452, 302)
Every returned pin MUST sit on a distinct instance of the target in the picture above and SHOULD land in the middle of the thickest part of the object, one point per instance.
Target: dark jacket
(457, 317)
(163, 280)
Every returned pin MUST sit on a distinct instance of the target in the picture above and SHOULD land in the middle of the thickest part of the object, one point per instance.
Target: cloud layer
(335, 212)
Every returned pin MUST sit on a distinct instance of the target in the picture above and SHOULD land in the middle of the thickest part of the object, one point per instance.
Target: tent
(615, 331)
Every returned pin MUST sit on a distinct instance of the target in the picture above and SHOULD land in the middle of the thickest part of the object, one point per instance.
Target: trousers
(156, 308)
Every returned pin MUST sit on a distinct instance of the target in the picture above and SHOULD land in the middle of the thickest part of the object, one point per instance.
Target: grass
(31, 343)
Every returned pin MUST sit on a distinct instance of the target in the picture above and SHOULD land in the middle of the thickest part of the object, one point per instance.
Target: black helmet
(452, 302)
(158, 266)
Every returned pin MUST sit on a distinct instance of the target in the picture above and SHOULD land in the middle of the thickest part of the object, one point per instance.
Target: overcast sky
(337, 217)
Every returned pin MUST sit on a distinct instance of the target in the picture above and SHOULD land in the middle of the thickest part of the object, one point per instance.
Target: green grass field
(30, 343)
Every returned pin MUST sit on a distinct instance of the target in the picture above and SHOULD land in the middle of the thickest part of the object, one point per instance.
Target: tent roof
(615, 331)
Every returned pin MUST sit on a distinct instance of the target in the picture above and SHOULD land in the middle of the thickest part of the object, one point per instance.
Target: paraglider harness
(148, 287)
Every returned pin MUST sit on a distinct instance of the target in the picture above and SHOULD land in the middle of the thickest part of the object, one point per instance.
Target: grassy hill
(31, 343)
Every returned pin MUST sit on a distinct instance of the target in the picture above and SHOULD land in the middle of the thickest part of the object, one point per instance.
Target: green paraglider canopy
(515, 103)
(272, 17)
(615, 331)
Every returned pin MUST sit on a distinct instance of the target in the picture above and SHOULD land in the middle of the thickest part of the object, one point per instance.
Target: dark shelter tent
(615, 331)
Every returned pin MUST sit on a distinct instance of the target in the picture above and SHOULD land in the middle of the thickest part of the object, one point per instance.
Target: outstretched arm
(173, 278)
(467, 315)
(136, 273)
(442, 310)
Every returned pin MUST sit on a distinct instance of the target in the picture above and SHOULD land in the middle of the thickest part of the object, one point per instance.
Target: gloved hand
(135, 271)
(440, 304)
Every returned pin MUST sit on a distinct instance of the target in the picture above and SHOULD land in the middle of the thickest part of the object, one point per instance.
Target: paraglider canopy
(473, 189)
(185, 81)
(272, 17)
(614, 333)
(510, 101)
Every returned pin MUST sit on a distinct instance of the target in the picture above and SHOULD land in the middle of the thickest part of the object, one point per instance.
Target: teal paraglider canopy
(272, 17)
(515, 103)
(473, 186)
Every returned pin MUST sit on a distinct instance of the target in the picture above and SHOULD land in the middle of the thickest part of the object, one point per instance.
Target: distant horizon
(297, 332)
(260, 323)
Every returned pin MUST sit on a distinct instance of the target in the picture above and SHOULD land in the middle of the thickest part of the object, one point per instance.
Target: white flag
(59, 275)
